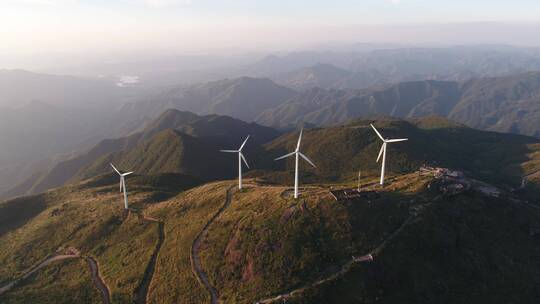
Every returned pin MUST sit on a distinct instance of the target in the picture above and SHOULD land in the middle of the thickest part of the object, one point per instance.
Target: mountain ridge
(214, 130)
(496, 104)
(241, 98)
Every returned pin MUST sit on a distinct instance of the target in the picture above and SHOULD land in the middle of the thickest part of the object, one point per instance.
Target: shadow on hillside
(17, 212)
(160, 186)
(490, 156)
(462, 249)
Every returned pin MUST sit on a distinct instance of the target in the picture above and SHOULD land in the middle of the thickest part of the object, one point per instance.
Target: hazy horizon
(39, 30)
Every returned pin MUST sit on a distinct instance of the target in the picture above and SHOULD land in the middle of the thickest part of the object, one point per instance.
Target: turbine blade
(379, 134)
(299, 140)
(115, 169)
(229, 151)
(307, 159)
(397, 140)
(121, 183)
(243, 144)
(244, 159)
(380, 152)
(128, 173)
(285, 156)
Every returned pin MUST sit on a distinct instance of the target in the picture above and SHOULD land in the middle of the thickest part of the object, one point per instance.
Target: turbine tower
(240, 159)
(297, 153)
(123, 184)
(383, 151)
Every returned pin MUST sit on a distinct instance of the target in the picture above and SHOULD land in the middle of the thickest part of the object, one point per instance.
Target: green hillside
(65, 282)
(90, 217)
(214, 130)
(259, 244)
(466, 249)
(339, 152)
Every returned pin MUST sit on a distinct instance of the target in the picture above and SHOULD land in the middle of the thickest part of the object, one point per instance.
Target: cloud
(395, 2)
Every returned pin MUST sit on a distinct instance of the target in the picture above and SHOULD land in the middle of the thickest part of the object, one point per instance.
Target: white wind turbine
(297, 153)
(123, 184)
(383, 151)
(240, 159)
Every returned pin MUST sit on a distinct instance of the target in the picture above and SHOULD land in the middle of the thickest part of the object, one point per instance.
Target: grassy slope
(88, 216)
(67, 281)
(123, 255)
(467, 249)
(340, 151)
(167, 152)
(184, 217)
(265, 244)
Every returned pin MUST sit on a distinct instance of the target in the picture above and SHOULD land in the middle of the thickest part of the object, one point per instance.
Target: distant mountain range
(494, 103)
(358, 70)
(243, 98)
(504, 104)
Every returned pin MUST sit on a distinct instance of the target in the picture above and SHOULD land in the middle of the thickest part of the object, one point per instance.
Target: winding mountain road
(38, 267)
(196, 267)
(73, 253)
(141, 292)
(98, 280)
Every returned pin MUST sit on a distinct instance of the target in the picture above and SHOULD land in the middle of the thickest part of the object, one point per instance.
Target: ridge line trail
(141, 292)
(196, 267)
(347, 266)
(74, 253)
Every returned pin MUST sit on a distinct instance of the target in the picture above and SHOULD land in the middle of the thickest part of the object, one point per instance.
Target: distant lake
(127, 81)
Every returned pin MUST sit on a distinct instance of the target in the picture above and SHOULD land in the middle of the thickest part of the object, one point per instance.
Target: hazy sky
(195, 25)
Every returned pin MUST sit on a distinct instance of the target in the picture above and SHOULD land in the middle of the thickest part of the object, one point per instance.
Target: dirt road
(73, 253)
(141, 292)
(196, 267)
(98, 280)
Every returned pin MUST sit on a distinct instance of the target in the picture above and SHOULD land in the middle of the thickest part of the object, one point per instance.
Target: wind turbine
(383, 151)
(297, 153)
(240, 159)
(123, 184)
